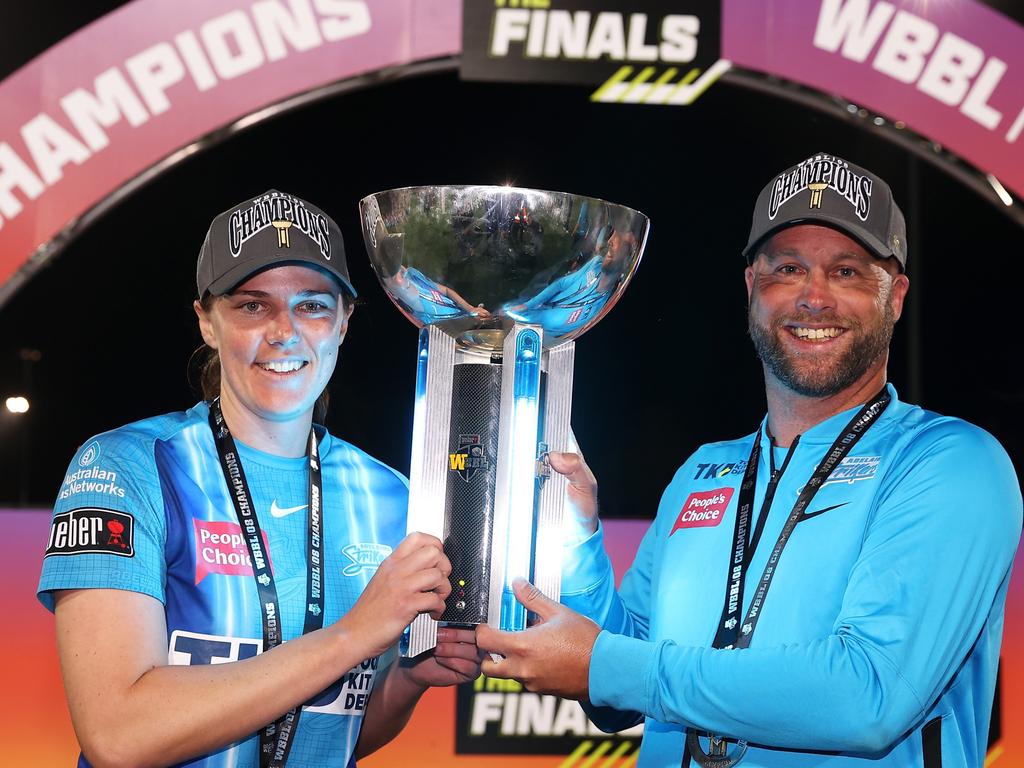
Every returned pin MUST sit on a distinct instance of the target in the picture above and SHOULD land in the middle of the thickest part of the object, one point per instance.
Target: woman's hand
(455, 660)
(412, 580)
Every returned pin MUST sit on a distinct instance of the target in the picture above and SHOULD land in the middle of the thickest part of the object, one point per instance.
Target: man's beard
(822, 380)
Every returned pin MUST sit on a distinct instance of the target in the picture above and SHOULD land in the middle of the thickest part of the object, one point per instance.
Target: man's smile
(815, 334)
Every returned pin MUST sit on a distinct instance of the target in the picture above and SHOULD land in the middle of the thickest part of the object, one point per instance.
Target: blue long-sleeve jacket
(879, 638)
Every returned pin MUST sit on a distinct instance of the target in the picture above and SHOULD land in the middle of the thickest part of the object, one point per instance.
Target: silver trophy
(500, 280)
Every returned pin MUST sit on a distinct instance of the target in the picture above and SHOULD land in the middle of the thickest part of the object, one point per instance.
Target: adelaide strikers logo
(469, 458)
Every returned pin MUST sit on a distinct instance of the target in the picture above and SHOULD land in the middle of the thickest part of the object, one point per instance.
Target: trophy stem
(516, 482)
(427, 475)
(499, 519)
(557, 430)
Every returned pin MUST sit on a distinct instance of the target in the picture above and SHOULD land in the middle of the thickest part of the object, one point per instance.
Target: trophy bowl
(500, 280)
(475, 260)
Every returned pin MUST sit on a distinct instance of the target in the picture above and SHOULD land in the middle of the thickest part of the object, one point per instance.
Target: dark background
(668, 369)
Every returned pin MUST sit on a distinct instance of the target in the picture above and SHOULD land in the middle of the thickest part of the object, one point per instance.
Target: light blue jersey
(878, 642)
(146, 508)
(569, 302)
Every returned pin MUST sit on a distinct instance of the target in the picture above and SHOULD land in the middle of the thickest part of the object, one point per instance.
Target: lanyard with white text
(731, 633)
(277, 737)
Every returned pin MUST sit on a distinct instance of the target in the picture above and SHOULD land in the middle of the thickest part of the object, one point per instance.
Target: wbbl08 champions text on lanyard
(732, 634)
(277, 737)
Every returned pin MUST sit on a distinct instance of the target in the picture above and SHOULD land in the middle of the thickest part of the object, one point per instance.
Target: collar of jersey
(256, 456)
(250, 455)
(827, 431)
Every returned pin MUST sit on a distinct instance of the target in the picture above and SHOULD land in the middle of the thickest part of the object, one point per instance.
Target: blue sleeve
(588, 587)
(109, 528)
(932, 569)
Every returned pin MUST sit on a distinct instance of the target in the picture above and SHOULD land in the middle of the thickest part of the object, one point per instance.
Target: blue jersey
(879, 638)
(569, 302)
(421, 296)
(146, 508)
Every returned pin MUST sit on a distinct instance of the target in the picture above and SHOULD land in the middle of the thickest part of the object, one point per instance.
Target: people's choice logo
(703, 509)
(221, 548)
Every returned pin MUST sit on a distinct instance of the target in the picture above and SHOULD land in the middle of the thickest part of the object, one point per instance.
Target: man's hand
(553, 656)
(455, 660)
(582, 490)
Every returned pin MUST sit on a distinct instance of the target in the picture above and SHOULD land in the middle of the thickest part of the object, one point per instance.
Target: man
(828, 591)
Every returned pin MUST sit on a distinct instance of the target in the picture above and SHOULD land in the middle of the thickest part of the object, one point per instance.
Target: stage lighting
(17, 404)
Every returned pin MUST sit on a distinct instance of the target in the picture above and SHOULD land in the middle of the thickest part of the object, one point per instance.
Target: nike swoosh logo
(824, 509)
(277, 511)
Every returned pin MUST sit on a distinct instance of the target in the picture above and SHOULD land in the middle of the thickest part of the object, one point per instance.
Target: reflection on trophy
(500, 280)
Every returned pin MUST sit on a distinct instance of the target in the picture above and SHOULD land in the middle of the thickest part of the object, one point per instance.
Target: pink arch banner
(953, 71)
(137, 88)
(148, 80)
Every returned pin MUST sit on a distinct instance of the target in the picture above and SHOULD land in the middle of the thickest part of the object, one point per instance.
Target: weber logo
(92, 530)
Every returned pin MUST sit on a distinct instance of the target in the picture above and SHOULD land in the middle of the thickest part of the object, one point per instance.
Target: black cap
(828, 190)
(269, 230)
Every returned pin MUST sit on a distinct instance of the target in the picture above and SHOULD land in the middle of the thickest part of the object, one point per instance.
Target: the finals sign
(641, 51)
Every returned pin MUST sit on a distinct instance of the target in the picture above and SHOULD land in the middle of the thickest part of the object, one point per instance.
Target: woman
(187, 547)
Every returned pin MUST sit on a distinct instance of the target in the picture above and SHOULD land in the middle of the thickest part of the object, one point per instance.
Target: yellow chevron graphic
(623, 88)
(586, 755)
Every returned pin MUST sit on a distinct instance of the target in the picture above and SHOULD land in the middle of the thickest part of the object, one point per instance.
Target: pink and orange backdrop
(36, 716)
(778, 37)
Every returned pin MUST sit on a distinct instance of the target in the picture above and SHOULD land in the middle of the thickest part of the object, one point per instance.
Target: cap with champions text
(271, 229)
(828, 190)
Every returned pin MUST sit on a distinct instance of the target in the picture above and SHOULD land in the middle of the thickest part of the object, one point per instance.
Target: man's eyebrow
(792, 253)
(781, 253)
(249, 292)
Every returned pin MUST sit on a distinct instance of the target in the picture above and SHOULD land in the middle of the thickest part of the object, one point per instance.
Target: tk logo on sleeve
(703, 509)
(92, 530)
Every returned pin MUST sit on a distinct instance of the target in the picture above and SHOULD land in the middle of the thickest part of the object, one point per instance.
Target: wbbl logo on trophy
(469, 458)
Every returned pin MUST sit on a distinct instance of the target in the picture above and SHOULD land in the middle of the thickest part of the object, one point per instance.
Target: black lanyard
(276, 738)
(731, 632)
